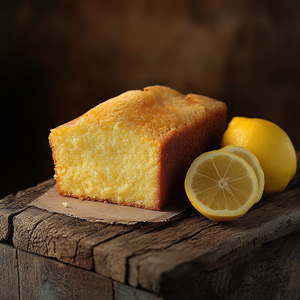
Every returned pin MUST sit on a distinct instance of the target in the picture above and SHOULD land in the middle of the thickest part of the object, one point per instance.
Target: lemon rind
(255, 159)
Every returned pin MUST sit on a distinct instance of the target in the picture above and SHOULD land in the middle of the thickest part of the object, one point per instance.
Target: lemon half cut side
(221, 185)
(252, 160)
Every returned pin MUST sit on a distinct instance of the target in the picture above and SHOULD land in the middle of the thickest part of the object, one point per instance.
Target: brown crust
(180, 150)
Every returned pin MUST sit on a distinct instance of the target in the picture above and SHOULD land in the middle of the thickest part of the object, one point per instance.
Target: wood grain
(158, 260)
(68, 239)
(14, 204)
(269, 272)
(152, 238)
(211, 248)
(9, 280)
(44, 278)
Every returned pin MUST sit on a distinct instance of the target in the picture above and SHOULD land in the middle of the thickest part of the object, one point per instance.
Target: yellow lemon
(270, 144)
(221, 185)
(252, 160)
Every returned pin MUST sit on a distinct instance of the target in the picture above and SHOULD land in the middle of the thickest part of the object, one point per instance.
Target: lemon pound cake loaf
(135, 149)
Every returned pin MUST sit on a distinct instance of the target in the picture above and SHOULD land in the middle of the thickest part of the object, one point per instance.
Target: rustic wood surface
(9, 280)
(14, 204)
(25, 275)
(184, 254)
(47, 279)
(267, 273)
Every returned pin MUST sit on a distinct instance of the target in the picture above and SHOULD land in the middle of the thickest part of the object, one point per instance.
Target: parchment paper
(95, 211)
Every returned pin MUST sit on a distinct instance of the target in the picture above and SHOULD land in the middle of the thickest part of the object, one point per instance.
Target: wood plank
(68, 239)
(111, 258)
(23, 227)
(44, 278)
(14, 204)
(160, 259)
(9, 280)
(269, 272)
(211, 248)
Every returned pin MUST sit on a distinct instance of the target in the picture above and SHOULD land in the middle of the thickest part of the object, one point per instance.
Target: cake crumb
(65, 204)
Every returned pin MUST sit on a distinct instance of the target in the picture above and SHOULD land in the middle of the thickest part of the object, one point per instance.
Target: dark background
(59, 58)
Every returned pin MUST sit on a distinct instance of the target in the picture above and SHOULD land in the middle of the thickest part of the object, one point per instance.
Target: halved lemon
(252, 160)
(221, 185)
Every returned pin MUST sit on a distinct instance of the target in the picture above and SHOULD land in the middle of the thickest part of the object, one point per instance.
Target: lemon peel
(270, 144)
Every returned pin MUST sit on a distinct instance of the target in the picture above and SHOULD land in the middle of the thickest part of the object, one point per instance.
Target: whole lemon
(271, 145)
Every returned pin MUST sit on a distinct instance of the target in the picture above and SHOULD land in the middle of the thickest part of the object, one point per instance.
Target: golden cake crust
(150, 112)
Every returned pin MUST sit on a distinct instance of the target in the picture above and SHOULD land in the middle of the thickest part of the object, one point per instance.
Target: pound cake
(135, 149)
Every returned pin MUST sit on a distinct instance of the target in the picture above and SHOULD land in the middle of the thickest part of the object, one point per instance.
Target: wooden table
(46, 255)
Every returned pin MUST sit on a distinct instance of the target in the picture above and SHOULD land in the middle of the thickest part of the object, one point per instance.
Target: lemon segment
(252, 160)
(221, 185)
(270, 144)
